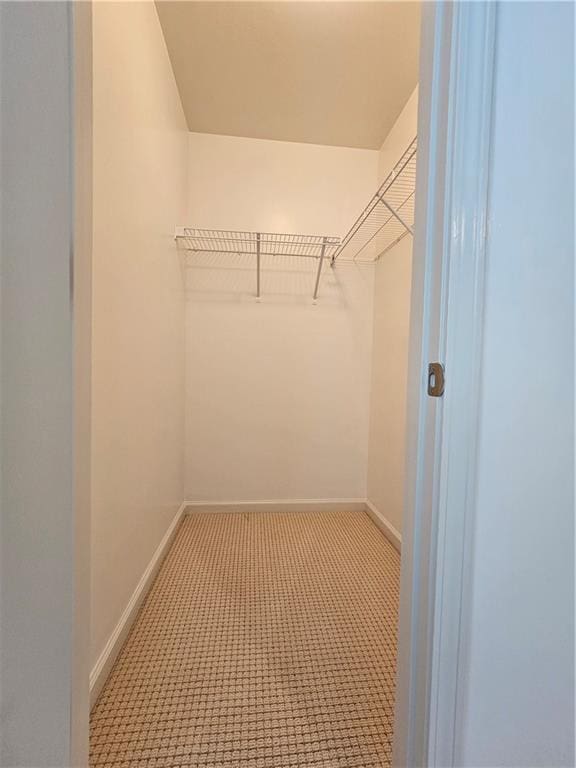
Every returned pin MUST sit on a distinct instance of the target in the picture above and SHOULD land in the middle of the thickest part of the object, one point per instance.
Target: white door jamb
(458, 43)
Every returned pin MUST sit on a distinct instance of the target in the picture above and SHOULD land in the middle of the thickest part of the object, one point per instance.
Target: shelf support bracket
(258, 264)
(396, 215)
(320, 262)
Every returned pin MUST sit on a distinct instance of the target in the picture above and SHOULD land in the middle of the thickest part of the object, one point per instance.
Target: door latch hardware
(435, 379)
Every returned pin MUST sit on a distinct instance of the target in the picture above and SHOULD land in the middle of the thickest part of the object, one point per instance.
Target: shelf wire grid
(242, 243)
(388, 217)
(259, 245)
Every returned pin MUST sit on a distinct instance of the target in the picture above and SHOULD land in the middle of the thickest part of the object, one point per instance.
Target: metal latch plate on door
(435, 379)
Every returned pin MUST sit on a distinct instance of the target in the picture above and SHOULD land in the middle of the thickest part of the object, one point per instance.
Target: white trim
(278, 505)
(105, 661)
(424, 414)
(467, 186)
(447, 318)
(394, 536)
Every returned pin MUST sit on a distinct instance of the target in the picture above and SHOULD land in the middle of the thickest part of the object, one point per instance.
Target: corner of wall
(391, 310)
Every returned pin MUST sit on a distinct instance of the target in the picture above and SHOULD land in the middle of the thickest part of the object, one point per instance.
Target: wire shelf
(388, 217)
(259, 244)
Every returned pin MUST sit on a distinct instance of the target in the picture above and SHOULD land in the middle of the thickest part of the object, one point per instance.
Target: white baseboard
(105, 661)
(279, 505)
(393, 536)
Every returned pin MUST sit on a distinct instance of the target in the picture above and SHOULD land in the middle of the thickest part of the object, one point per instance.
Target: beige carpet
(267, 641)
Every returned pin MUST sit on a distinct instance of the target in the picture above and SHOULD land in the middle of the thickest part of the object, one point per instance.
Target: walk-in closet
(254, 174)
(286, 384)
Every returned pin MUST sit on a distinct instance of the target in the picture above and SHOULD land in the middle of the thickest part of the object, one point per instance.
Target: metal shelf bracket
(388, 217)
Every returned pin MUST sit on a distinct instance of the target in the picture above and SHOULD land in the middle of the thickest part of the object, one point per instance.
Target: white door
(486, 667)
(45, 226)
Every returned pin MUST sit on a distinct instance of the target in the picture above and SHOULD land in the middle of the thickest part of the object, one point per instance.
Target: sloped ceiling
(334, 73)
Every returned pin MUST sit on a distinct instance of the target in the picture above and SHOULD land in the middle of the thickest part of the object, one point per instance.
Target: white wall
(519, 704)
(401, 135)
(277, 186)
(392, 283)
(140, 151)
(277, 390)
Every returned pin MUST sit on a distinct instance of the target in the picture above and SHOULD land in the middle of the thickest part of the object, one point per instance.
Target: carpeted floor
(267, 641)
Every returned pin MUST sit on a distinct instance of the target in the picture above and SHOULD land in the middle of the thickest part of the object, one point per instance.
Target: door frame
(447, 312)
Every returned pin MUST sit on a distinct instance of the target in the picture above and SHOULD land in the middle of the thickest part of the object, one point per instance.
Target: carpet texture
(268, 640)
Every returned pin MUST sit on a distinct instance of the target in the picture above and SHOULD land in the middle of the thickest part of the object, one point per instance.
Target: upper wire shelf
(259, 244)
(388, 217)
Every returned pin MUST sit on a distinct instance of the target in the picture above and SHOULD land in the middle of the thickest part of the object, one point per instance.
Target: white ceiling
(334, 73)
